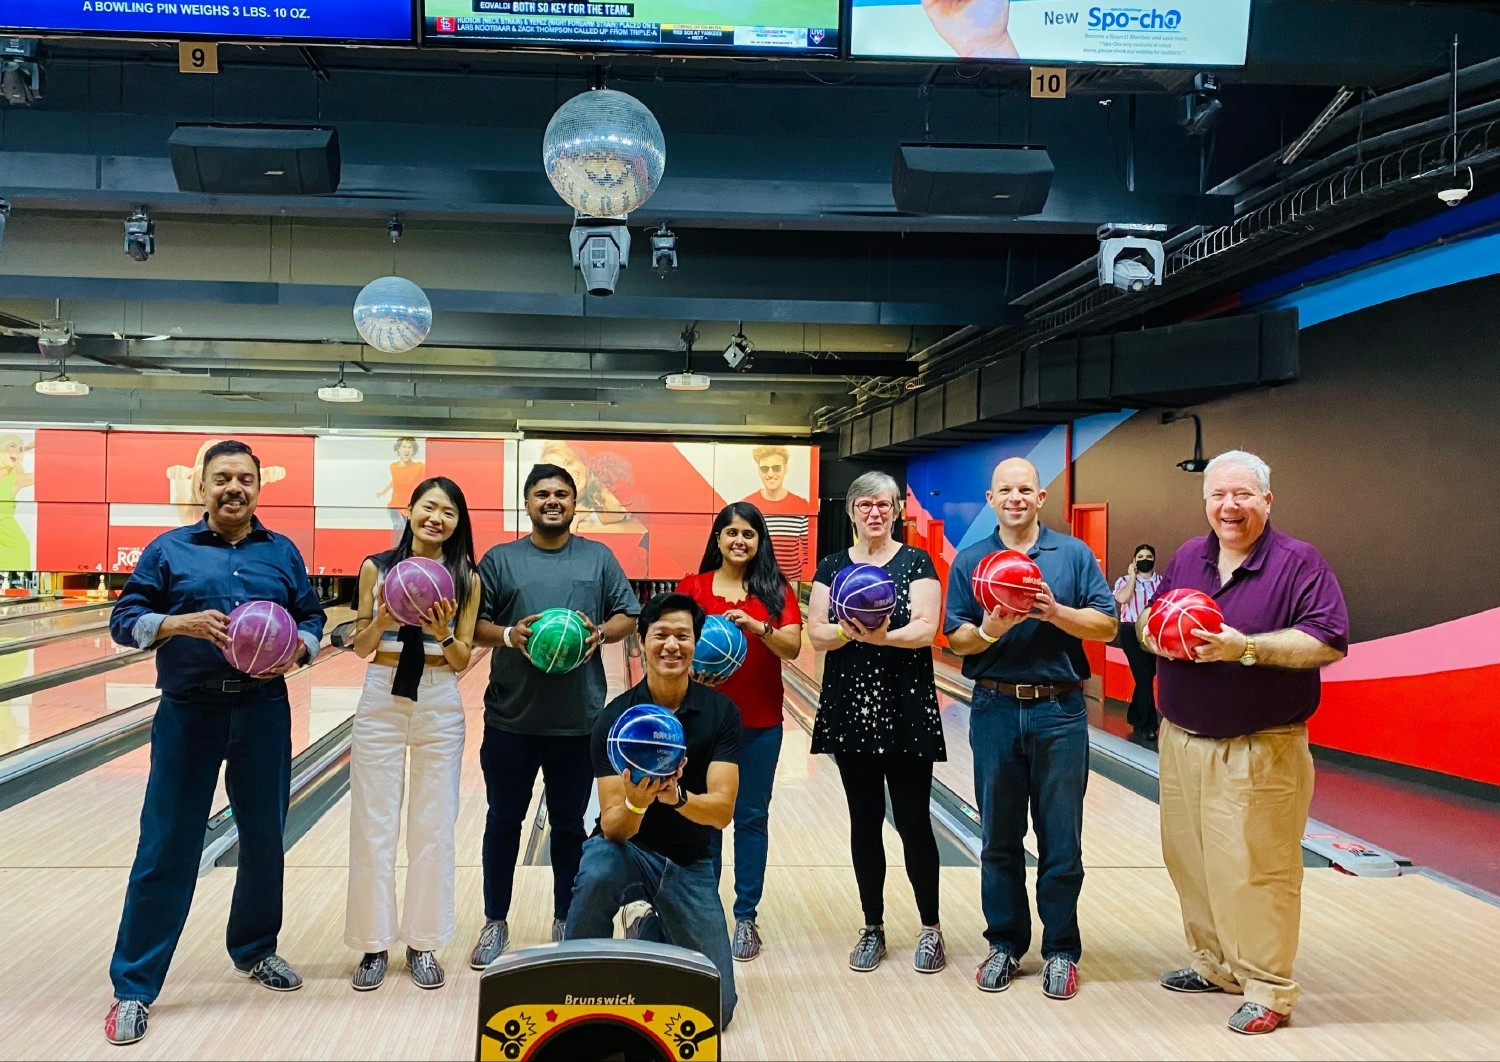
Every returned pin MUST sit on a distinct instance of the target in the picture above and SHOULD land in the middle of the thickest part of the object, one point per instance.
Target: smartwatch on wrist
(682, 797)
(447, 641)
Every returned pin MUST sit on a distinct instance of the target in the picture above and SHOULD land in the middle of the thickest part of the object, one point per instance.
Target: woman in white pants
(410, 703)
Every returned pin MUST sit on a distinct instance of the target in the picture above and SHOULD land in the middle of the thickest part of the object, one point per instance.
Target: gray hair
(871, 484)
(1246, 460)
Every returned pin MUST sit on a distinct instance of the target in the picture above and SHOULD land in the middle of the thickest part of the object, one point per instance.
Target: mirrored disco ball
(392, 314)
(604, 153)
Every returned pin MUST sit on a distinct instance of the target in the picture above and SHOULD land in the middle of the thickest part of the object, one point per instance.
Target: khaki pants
(1233, 812)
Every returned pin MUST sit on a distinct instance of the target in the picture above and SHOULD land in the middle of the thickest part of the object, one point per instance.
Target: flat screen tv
(326, 21)
(734, 27)
(1194, 33)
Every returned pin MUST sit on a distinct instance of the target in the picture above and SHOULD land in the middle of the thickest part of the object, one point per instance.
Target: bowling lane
(41, 606)
(36, 716)
(93, 820)
(92, 615)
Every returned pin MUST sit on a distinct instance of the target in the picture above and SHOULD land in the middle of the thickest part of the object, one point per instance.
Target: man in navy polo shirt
(178, 600)
(1028, 728)
(1236, 773)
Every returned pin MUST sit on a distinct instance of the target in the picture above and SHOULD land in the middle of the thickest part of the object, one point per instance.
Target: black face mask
(1144, 566)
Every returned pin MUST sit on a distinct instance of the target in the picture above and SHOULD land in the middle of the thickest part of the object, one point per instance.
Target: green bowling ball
(559, 641)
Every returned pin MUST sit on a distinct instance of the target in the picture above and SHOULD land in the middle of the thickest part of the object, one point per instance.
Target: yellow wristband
(632, 807)
(986, 637)
(843, 634)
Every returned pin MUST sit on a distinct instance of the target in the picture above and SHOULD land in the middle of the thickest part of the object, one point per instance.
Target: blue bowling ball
(720, 649)
(647, 740)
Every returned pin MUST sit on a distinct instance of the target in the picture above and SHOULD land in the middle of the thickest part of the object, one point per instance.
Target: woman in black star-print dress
(878, 717)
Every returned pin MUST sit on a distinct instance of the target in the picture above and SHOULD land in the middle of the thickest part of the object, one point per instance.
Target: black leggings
(865, 777)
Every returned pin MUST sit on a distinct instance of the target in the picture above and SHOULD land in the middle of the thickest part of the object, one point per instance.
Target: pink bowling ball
(262, 637)
(413, 586)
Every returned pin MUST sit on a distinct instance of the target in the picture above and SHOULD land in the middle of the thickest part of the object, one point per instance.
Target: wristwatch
(1248, 656)
(447, 641)
(682, 797)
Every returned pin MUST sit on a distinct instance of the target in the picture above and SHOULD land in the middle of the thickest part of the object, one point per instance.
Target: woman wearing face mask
(410, 703)
(878, 716)
(740, 581)
(1134, 592)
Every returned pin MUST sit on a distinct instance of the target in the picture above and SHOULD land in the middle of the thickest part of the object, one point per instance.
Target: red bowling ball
(1175, 615)
(1007, 579)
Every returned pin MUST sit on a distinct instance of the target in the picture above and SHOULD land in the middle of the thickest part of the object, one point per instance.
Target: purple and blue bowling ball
(647, 740)
(720, 649)
(864, 594)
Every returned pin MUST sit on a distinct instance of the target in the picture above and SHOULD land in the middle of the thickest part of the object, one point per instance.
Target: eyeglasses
(873, 506)
(771, 468)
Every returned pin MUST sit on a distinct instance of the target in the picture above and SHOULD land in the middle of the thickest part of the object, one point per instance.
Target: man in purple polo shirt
(1236, 773)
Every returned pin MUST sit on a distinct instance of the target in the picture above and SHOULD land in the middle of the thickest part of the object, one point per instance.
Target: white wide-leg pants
(385, 728)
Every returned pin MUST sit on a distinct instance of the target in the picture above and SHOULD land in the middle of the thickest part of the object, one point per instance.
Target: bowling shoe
(494, 938)
(1252, 1019)
(370, 973)
(931, 956)
(746, 945)
(126, 1022)
(274, 973)
(1059, 978)
(995, 972)
(425, 970)
(1187, 980)
(869, 951)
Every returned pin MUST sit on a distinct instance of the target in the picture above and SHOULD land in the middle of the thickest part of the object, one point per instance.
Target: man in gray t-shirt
(536, 721)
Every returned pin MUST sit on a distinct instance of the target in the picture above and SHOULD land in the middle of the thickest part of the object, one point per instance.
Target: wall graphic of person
(974, 29)
(605, 489)
(186, 485)
(15, 547)
(406, 473)
(785, 512)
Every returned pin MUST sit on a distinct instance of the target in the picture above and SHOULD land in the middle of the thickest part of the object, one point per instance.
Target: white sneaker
(631, 917)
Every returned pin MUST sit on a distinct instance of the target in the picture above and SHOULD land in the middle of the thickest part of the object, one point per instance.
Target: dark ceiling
(778, 185)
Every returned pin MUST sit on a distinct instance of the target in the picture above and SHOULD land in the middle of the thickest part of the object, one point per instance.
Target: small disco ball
(392, 314)
(604, 153)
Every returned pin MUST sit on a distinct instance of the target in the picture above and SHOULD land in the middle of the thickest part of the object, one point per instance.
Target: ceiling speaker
(979, 179)
(255, 159)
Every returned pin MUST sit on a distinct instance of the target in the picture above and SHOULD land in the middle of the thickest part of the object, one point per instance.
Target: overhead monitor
(733, 27)
(1194, 33)
(255, 21)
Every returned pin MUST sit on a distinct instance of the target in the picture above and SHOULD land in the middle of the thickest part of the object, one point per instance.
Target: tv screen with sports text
(1150, 32)
(784, 27)
(350, 21)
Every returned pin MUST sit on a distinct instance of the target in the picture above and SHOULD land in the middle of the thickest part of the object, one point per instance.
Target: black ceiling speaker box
(255, 159)
(982, 179)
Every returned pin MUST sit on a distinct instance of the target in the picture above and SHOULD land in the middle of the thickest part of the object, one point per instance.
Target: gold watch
(1248, 656)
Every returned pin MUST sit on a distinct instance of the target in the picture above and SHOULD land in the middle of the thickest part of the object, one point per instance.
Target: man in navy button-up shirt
(178, 598)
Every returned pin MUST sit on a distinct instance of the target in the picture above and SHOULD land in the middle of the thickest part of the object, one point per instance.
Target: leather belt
(230, 686)
(1027, 691)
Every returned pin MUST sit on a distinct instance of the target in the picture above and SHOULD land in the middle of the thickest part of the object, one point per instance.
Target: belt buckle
(1033, 695)
(231, 686)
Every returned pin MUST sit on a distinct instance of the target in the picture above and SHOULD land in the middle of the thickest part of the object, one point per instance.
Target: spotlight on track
(1128, 258)
(140, 235)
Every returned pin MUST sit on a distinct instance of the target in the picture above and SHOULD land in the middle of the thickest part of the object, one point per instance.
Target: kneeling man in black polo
(651, 842)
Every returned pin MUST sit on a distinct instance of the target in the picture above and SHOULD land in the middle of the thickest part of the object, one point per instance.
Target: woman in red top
(739, 580)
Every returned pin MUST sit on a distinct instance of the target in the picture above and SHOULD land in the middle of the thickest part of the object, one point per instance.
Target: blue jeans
(252, 734)
(760, 748)
(685, 900)
(1036, 754)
